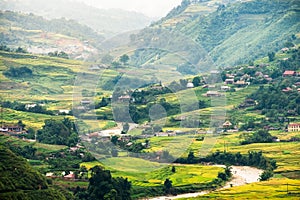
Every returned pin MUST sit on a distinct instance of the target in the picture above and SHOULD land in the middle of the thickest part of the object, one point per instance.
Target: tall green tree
(103, 186)
(167, 186)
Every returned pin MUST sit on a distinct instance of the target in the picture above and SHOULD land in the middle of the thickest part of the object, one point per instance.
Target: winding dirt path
(241, 175)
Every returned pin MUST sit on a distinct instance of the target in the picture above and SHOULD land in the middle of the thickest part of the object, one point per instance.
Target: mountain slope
(229, 32)
(249, 30)
(108, 21)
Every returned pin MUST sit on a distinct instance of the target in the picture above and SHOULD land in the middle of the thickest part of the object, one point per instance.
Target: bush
(18, 72)
(261, 136)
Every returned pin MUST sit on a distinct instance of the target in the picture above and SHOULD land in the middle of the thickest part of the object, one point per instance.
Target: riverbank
(241, 175)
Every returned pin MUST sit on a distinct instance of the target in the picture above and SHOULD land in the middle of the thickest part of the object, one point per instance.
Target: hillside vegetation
(230, 34)
(19, 181)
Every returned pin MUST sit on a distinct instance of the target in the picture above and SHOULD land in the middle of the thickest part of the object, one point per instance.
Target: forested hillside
(231, 34)
(19, 181)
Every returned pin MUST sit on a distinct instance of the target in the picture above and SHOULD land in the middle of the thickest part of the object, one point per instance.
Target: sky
(151, 8)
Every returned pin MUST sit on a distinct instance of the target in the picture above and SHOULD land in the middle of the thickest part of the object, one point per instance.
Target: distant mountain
(19, 181)
(105, 21)
(39, 35)
(229, 32)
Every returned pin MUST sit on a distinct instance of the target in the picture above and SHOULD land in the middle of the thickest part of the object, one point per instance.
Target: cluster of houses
(296, 86)
(67, 176)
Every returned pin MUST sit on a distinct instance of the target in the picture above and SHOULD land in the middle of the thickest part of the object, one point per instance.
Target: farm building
(294, 127)
(289, 73)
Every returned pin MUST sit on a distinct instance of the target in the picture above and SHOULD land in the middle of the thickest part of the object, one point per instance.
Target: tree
(103, 186)
(58, 132)
(21, 124)
(260, 136)
(228, 171)
(100, 183)
(222, 175)
(191, 157)
(271, 56)
(167, 186)
(114, 139)
(266, 175)
(124, 59)
(21, 50)
(16, 72)
(196, 81)
(173, 169)
(30, 133)
(125, 128)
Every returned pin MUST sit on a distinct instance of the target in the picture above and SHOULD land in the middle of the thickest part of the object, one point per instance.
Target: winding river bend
(241, 175)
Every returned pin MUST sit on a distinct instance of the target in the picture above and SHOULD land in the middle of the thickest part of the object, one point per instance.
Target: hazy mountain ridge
(105, 21)
(34, 32)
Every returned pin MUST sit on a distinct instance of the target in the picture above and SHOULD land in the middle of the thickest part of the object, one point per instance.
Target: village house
(225, 88)
(285, 49)
(240, 83)
(124, 98)
(50, 175)
(28, 106)
(288, 73)
(70, 176)
(212, 94)
(288, 89)
(227, 124)
(94, 67)
(64, 111)
(230, 76)
(295, 127)
(161, 134)
(229, 81)
(297, 84)
(156, 87)
(85, 102)
(11, 129)
(190, 85)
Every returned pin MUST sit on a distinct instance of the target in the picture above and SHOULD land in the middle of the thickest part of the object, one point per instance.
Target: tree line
(22, 107)
(252, 158)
